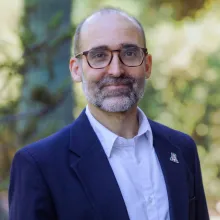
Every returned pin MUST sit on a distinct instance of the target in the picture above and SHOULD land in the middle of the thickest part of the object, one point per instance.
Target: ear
(75, 70)
(148, 65)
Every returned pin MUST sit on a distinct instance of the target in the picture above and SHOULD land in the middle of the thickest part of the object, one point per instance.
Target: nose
(115, 68)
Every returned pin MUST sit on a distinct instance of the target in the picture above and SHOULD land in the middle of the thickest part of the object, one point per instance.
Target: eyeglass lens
(100, 58)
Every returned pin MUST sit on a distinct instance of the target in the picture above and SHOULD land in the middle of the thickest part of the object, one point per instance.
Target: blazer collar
(174, 172)
(91, 165)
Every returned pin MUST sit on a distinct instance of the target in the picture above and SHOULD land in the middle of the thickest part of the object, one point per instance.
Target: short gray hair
(108, 10)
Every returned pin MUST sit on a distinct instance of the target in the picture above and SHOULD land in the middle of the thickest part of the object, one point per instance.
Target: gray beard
(114, 101)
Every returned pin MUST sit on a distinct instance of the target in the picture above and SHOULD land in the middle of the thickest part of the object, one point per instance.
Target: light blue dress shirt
(137, 170)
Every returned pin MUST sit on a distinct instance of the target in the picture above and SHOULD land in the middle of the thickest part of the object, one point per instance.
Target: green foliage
(27, 36)
(181, 8)
(56, 20)
(42, 94)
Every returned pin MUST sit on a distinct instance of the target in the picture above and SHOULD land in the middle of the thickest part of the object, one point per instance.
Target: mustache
(107, 81)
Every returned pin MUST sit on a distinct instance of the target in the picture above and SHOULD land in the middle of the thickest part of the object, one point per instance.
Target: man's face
(117, 87)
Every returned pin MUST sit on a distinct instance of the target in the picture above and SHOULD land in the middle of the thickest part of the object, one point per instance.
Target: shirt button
(150, 200)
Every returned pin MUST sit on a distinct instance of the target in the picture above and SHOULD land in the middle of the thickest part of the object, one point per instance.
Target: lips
(116, 82)
(116, 85)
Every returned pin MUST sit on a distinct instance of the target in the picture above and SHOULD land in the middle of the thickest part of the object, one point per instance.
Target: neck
(124, 124)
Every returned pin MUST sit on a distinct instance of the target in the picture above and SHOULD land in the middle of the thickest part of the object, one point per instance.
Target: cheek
(96, 75)
(137, 72)
(93, 75)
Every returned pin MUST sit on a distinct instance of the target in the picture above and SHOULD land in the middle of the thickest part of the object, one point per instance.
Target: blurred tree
(46, 98)
(41, 73)
(181, 8)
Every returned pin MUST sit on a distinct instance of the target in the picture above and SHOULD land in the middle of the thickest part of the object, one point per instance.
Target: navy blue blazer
(67, 176)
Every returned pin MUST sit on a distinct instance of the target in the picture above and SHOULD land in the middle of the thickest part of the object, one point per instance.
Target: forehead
(111, 30)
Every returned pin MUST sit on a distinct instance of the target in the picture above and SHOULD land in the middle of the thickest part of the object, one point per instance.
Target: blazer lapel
(94, 172)
(174, 174)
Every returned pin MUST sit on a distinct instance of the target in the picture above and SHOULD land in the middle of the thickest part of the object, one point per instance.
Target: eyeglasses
(98, 58)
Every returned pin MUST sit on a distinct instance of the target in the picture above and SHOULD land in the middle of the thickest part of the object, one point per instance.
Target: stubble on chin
(116, 100)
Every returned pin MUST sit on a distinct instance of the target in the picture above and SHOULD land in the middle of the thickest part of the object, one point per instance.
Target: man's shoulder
(178, 138)
(48, 146)
(58, 143)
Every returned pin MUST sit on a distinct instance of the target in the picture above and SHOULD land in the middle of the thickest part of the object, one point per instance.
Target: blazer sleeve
(28, 194)
(201, 210)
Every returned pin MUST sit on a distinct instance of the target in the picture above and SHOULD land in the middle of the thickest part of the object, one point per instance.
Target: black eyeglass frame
(85, 53)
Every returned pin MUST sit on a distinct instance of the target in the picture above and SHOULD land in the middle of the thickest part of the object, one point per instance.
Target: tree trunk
(46, 98)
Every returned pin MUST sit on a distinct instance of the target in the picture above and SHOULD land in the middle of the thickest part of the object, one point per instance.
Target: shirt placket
(148, 194)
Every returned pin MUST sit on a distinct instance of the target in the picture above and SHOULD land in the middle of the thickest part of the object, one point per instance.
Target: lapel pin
(173, 158)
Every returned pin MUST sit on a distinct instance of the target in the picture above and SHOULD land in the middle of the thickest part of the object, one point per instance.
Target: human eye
(98, 55)
(130, 52)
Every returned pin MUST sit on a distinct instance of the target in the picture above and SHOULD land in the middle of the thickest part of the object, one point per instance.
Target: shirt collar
(107, 137)
(144, 125)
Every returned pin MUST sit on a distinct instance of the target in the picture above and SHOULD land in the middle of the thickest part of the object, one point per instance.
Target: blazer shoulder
(176, 137)
(55, 147)
(49, 146)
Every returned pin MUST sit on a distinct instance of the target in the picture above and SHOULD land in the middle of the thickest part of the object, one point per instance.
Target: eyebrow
(100, 47)
(129, 45)
(104, 47)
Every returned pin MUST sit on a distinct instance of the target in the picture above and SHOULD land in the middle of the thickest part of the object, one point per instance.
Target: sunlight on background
(10, 48)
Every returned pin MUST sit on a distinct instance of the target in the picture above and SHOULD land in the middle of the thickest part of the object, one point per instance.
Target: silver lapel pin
(173, 158)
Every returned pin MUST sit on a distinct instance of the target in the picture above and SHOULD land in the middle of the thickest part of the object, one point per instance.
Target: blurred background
(37, 96)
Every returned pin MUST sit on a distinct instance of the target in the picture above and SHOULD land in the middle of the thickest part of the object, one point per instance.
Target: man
(111, 163)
